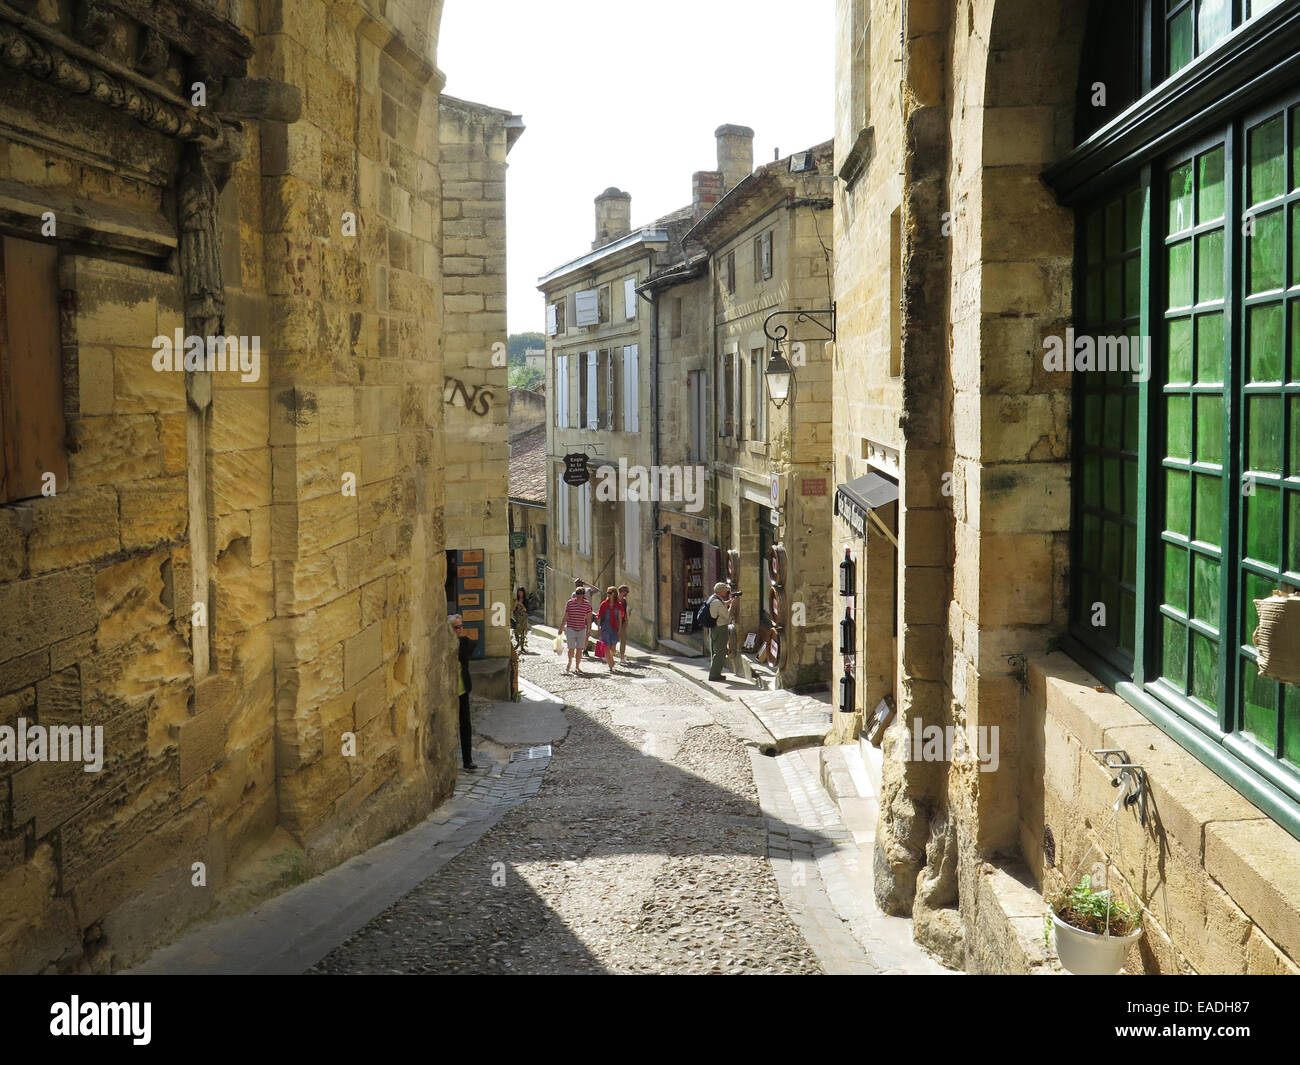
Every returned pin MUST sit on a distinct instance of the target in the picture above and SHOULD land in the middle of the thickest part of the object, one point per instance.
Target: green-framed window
(1200, 252)
(1193, 27)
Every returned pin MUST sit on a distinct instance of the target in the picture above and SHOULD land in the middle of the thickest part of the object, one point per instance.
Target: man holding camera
(721, 605)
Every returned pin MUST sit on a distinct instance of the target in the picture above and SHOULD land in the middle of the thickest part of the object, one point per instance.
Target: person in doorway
(720, 608)
(464, 650)
(577, 626)
(519, 620)
(609, 617)
(622, 624)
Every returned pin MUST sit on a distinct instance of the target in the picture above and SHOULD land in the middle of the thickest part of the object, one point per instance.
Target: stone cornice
(79, 71)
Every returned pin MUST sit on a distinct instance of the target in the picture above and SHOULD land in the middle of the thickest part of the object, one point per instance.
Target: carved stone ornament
(200, 247)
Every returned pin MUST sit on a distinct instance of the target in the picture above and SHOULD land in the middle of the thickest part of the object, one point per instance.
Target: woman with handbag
(609, 617)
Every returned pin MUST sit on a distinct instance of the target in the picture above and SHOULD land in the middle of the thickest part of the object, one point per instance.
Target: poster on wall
(471, 586)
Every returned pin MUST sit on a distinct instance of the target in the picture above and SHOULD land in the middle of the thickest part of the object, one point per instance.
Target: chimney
(706, 190)
(735, 154)
(613, 216)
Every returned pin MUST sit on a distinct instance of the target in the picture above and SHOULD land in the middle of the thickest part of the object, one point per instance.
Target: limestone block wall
(313, 496)
(473, 146)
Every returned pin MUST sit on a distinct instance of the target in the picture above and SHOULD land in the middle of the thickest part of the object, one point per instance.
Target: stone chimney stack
(735, 154)
(613, 216)
(706, 190)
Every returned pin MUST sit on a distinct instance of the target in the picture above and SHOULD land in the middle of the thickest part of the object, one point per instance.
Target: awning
(855, 501)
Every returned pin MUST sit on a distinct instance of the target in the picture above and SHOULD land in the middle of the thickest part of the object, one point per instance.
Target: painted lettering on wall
(476, 401)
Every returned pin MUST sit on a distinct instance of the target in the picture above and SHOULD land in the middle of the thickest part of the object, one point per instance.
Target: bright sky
(620, 93)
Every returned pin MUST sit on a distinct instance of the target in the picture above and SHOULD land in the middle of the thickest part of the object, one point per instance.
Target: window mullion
(1233, 413)
(1148, 560)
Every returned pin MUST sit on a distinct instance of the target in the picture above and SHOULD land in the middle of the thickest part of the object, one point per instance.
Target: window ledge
(1251, 857)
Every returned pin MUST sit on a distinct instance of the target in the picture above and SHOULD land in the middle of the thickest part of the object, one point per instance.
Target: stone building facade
(1074, 563)
(768, 242)
(474, 141)
(598, 394)
(238, 576)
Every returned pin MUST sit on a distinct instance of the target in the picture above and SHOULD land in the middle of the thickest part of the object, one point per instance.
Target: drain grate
(532, 752)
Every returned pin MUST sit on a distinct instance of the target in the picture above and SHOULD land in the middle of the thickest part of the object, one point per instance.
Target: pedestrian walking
(609, 617)
(519, 620)
(622, 625)
(720, 606)
(464, 650)
(577, 627)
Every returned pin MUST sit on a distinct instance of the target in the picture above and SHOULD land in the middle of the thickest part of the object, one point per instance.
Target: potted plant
(1093, 930)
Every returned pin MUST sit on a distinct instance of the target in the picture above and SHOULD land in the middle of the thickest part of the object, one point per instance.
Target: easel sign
(686, 622)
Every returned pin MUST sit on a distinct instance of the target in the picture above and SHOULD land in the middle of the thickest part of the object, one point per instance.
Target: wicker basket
(1277, 639)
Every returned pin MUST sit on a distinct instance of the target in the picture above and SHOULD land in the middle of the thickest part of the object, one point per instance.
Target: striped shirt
(577, 613)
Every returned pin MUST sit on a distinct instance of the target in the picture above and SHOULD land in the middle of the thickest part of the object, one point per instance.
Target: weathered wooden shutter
(31, 370)
(586, 307)
(552, 323)
(632, 388)
(629, 297)
(592, 359)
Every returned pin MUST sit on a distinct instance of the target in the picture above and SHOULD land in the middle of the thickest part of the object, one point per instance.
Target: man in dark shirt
(464, 650)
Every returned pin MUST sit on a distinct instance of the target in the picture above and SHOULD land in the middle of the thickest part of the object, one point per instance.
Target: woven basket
(1277, 639)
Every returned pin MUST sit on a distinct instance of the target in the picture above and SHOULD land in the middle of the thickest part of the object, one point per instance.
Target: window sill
(1243, 848)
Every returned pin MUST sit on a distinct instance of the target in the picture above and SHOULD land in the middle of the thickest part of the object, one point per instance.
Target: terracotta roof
(528, 466)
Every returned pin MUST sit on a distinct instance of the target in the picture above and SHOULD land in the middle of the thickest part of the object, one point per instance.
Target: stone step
(847, 781)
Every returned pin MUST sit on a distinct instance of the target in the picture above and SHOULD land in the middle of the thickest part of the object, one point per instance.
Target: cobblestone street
(644, 851)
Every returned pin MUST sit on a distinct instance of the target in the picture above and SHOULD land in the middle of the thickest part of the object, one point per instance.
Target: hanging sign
(575, 469)
(518, 541)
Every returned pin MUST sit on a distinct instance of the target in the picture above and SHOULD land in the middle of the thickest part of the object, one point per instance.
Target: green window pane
(1213, 21)
(1263, 514)
(1111, 540)
(1209, 348)
(1294, 310)
(1175, 594)
(1130, 488)
(1209, 266)
(1209, 429)
(1293, 532)
(1209, 508)
(1174, 654)
(1209, 192)
(1114, 292)
(1258, 703)
(1132, 288)
(1134, 210)
(1178, 502)
(1180, 274)
(1180, 40)
(1205, 589)
(1295, 243)
(1178, 427)
(1266, 162)
(1092, 419)
(1295, 147)
(1258, 7)
(1091, 544)
(1092, 481)
(1127, 621)
(1113, 484)
(1114, 227)
(1088, 595)
(1267, 252)
(1129, 572)
(1264, 338)
(1114, 418)
(1179, 345)
(1180, 198)
(1205, 670)
(1293, 410)
(1130, 423)
(1264, 433)
(1096, 220)
(1291, 724)
(1253, 587)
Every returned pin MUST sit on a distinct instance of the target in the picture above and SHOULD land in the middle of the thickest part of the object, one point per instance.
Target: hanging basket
(1277, 639)
(1089, 954)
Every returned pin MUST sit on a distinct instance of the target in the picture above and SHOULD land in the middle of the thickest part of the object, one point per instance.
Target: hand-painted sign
(575, 469)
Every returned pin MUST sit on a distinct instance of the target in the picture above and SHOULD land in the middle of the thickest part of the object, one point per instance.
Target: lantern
(848, 575)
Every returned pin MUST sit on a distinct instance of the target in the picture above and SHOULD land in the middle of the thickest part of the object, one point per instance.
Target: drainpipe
(653, 300)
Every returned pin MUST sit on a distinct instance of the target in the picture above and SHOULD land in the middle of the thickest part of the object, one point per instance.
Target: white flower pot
(1088, 954)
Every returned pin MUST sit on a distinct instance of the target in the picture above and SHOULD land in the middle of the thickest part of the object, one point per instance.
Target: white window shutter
(632, 537)
(561, 391)
(632, 370)
(591, 390)
(629, 297)
(552, 326)
(587, 307)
